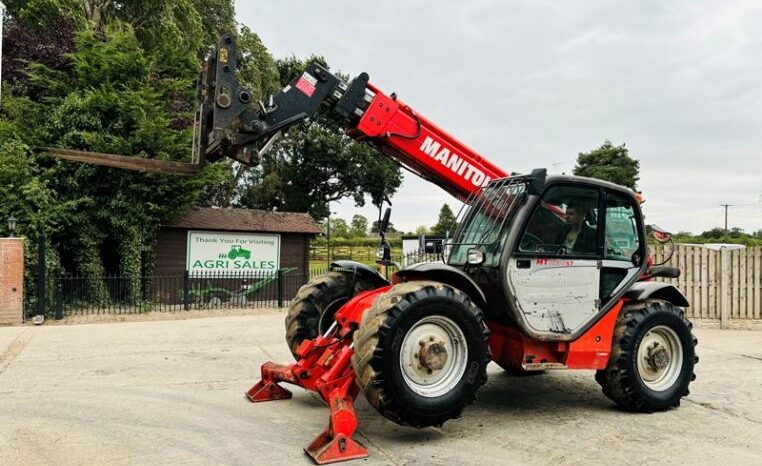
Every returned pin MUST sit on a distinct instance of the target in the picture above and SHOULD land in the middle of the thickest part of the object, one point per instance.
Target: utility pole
(726, 216)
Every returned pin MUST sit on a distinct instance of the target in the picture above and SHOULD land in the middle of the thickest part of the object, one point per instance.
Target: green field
(360, 253)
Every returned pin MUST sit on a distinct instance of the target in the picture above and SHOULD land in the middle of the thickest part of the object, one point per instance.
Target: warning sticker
(555, 263)
(306, 84)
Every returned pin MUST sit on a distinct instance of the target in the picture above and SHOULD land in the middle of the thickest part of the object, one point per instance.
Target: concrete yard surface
(171, 392)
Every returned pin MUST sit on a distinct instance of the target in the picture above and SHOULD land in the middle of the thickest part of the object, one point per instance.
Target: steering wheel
(530, 242)
(556, 249)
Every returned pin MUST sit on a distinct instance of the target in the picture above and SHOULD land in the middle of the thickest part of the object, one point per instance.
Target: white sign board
(212, 251)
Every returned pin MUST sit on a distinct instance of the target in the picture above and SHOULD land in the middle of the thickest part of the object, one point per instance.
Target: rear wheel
(421, 353)
(652, 358)
(312, 310)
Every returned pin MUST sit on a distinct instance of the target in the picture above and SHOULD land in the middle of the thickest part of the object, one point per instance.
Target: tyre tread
(367, 359)
(304, 312)
(618, 380)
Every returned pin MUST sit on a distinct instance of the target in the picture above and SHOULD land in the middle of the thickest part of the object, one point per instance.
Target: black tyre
(312, 309)
(421, 353)
(652, 358)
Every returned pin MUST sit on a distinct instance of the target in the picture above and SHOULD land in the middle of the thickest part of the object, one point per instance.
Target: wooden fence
(721, 285)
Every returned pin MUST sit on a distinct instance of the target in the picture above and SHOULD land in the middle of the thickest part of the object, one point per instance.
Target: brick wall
(11, 280)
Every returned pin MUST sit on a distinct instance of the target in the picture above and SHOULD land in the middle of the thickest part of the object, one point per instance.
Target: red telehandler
(543, 272)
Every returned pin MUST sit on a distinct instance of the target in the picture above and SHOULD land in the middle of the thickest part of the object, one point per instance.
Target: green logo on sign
(235, 252)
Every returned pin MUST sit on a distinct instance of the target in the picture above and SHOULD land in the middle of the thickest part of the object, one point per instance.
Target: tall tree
(218, 17)
(422, 230)
(609, 163)
(339, 228)
(446, 223)
(358, 226)
(389, 229)
(115, 102)
(714, 233)
(115, 76)
(316, 163)
(45, 14)
(126, 87)
(25, 43)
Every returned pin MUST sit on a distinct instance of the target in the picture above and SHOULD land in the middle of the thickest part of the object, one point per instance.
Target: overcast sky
(532, 83)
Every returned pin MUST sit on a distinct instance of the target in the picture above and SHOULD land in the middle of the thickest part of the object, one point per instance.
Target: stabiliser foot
(327, 448)
(267, 391)
(323, 366)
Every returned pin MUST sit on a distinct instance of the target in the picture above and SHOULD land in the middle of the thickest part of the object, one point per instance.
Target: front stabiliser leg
(335, 443)
(268, 389)
(324, 367)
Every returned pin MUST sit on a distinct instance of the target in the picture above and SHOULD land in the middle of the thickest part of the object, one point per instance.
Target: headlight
(475, 256)
(380, 252)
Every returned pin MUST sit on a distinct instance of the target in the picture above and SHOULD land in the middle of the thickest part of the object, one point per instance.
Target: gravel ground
(171, 392)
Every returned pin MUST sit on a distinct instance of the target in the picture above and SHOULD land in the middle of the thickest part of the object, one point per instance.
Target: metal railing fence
(83, 295)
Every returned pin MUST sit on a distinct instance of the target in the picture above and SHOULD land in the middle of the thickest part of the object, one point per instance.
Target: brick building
(232, 240)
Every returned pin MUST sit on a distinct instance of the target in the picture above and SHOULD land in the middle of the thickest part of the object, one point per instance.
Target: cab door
(555, 270)
(624, 246)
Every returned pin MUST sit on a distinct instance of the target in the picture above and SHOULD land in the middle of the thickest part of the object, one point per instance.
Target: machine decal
(306, 83)
(555, 263)
(454, 162)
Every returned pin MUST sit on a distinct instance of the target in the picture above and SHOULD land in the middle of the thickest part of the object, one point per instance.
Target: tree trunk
(95, 12)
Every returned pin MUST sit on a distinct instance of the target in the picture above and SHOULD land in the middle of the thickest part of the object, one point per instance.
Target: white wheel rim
(433, 335)
(660, 358)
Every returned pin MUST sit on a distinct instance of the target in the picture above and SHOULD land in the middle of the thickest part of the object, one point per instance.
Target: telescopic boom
(229, 124)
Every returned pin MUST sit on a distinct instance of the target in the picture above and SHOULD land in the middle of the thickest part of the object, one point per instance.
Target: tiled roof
(208, 218)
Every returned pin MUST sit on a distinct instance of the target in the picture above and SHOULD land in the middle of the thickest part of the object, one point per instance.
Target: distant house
(209, 240)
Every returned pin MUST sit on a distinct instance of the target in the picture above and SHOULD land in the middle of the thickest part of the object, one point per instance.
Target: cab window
(621, 239)
(565, 222)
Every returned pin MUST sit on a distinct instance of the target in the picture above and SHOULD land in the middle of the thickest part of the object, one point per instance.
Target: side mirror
(384, 252)
(537, 181)
(661, 235)
(384, 222)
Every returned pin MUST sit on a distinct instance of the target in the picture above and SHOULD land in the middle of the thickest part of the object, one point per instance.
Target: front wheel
(421, 353)
(652, 358)
(313, 308)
